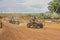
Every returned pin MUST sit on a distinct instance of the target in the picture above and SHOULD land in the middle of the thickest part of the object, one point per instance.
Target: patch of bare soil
(21, 32)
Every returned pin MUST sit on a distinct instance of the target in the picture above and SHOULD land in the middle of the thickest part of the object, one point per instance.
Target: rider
(33, 19)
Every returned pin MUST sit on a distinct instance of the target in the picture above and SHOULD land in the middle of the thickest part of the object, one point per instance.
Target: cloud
(24, 5)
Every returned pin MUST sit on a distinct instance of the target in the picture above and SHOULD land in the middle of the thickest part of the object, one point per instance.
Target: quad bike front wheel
(28, 25)
(41, 25)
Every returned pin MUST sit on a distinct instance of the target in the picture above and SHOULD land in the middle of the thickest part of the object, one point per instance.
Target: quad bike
(35, 24)
(14, 21)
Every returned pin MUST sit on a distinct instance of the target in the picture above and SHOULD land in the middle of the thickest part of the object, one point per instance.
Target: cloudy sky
(24, 5)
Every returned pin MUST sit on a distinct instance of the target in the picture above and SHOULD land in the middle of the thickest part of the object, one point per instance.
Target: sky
(24, 6)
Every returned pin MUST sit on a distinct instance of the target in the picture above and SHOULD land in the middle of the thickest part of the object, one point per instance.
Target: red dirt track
(21, 32)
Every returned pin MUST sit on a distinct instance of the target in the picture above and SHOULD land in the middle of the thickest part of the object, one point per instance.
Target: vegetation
(54, 6)
(38, 15)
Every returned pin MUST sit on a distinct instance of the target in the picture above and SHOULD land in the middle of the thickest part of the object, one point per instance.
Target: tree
(54, 6)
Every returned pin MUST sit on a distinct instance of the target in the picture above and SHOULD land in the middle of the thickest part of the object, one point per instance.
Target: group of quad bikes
(33, 22)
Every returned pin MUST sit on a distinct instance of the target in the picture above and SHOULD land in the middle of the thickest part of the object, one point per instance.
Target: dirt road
(21, 32)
